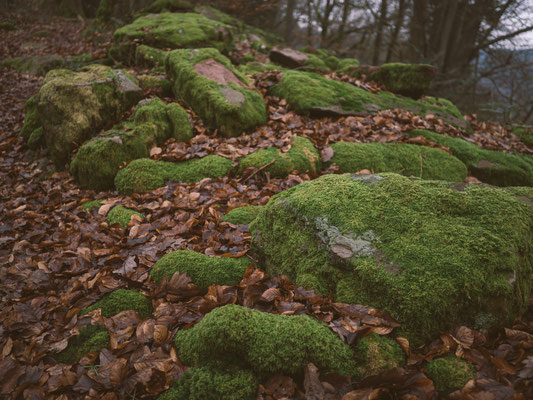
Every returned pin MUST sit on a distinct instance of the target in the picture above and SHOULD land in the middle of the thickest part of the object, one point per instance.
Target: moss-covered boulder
(489, 166)
(432, 253)
(170, 5)
(401, 158)
(122, 300)
(412, 80)
(156, 84)
(242, 215)
(98, 160)
(308, 93)
(302, 157)
(263, 343)
(71, 107)
(203, 270)
(222, 96)
(212, 382)
(170, 31)
(143, 175)
(90, 339)
(147, 56)
(524, 132)
(450, 373)
(39, 65)
(376, 354)
(121, 215)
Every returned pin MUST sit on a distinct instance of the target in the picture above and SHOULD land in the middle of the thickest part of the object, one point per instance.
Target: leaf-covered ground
(56, 258)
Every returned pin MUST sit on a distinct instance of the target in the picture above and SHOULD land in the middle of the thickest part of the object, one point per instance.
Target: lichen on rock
(203, 270)
(221, 95)
(431, 255)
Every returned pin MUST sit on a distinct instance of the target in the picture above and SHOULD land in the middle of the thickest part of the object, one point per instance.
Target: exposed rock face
(288, 57)
(218, 93)
(308, 93)
(72, 107)
(431, 255)
(170, 31)
(98, 160)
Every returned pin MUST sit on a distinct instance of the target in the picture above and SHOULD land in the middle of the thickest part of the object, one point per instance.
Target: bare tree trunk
(397, 28)
(379, 33)
(417, 30)
(346, 8)
(289, 19)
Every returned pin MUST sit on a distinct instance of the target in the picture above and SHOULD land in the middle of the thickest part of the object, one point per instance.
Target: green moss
(401, 158)
(122, 300)
(36, 138)
(203, 270)
(412, 80)
(348, 65)
(91, 339)
(159, 6)
(35, 65)
(220, 16)
(210, 382)
(105, 9)
(149, 56)
(255, 67)
(232, 108)
(7, 26)
(263, 343)
(143, 175)
(524, 132)
(71, 107)
(242, 215)
(313, 94)
(301, 157)
(376, 354)
(121, 215)
(494, 167)
(315, 63)
(432, 255)
(97, 162)
(450, 373)
(171, 31)
(89, 205)
(156, 83)
(445, 104)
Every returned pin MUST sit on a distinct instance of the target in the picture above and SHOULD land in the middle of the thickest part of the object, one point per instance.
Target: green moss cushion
(308, 93)
(264, 343)
(121, 300)
(405, 159)
(221, 95)
(412, 80)
(98, 160)
(450, 373)
(144, 174)
(376, 354)
(242, 215)
(493, 167)
(203, 270)
(433, 253)
(302, 157)
(90, 339)
(71, 107)
(121, 215)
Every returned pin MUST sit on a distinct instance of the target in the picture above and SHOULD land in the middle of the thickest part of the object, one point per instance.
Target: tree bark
(379, 32)
(397, 28)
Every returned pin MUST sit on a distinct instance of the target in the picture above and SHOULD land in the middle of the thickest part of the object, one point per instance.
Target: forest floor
(57, 259)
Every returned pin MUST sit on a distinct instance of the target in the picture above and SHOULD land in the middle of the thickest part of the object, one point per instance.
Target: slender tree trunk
(417, 31)
(397, 28)
(289, 19)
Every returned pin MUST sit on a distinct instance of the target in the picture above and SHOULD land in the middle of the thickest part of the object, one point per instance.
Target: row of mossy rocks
(434, 254)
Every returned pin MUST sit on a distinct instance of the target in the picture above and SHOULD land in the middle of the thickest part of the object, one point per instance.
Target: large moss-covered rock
(433, 253)
(402, 158)
(489, 166)
(72, 107)
(222, 96)
(121, 300)
(308, 93)
(98, 160)
(412, 80)
(170, 31)
(143, 175)
(242, 215)
(302, 157)
(263, 343)
(203, 270)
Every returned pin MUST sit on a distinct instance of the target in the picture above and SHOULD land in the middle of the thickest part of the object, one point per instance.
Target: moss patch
(40, 65)
(376, 354)
(313, 94)
(170, 31)
(450, 373)
(122, 300)
(302, 157)
(92, 338)
(219, 93)
(71, 107)
(432, 254)
(210, 382)
(494, 167)
(143, 175)
(170, 5)
(263, 343)
(404, 159)
(149, 56)
(203, 270)
(157, 84)
(242, 215)
(121, 215)
(89, 205)
(412, 80)
(97, 162)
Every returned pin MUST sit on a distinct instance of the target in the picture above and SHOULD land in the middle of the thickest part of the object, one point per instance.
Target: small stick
(260, 169)
(421, 162)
